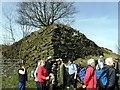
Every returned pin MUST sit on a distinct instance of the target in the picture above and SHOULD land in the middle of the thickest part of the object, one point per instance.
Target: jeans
(72, 80)
(21, 85)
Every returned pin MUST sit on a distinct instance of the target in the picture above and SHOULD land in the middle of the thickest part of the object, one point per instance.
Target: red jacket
(90, 79)
(42, 74)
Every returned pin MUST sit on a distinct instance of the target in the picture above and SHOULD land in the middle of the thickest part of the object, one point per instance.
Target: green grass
(11, 80)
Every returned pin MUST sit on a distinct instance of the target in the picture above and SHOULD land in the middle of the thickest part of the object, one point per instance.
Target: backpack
(102, 78)
(77, 66)
(81, 74)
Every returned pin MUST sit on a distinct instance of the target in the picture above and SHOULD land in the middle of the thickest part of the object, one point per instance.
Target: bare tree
(9, 25)
(25, 30)
(13, 29)
(39, 14)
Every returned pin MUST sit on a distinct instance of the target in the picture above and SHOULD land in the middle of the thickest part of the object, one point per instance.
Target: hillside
(56, 41)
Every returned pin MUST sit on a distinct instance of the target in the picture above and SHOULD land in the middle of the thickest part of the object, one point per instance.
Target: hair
(39, 62)
(90, 61)
(70, 60)
(108, 60)
(22, 65)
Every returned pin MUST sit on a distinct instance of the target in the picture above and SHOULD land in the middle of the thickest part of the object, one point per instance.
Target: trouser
(22, 85)
(72, 80)
(37, 85)
(41, 86)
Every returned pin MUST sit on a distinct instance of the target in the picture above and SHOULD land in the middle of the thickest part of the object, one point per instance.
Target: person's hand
(74, 77)
(47, 78)
(83, 86)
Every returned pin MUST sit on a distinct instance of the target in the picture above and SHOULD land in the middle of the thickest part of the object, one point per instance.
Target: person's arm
(22, 71)
(65, 65)
(75, 71)
(75, 75)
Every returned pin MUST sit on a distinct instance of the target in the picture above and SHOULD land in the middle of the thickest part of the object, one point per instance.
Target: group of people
(107, 65)
(43, 73)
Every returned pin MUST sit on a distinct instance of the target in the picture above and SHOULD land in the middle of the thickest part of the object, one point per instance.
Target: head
(109, 61)
(70, 61)
(22, 66)
(42, 63)
(91, 62)
(101, 56)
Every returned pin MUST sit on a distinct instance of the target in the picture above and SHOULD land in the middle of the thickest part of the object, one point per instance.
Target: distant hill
(58, 41)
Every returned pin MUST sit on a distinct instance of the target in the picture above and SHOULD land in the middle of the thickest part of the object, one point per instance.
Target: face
(111, 63)
(93, 64)
(42, 63)
(69, 62)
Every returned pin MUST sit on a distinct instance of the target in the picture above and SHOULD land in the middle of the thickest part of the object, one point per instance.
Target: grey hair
(108, 60)
(90, 61)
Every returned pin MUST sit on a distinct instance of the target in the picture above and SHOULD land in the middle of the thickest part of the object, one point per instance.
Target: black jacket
(48, 66)
(22, 78)
(111, 76)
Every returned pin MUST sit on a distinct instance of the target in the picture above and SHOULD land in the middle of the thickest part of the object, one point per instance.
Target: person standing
(116, 66)
(42, 76)
(72, 69)
(100, 63)
(90, 76)
(48, 66)
(111, 73)
(62, 74)
(22, 76)
(35, 75)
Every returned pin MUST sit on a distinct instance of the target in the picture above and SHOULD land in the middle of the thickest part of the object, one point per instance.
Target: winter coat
(42, 74)
(111, 76)
(90, 78)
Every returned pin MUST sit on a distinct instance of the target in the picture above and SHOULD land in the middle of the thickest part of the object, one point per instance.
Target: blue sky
(98, 21)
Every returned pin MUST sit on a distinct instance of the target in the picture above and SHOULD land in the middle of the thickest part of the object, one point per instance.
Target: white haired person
(110, 73)
(90, 76)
